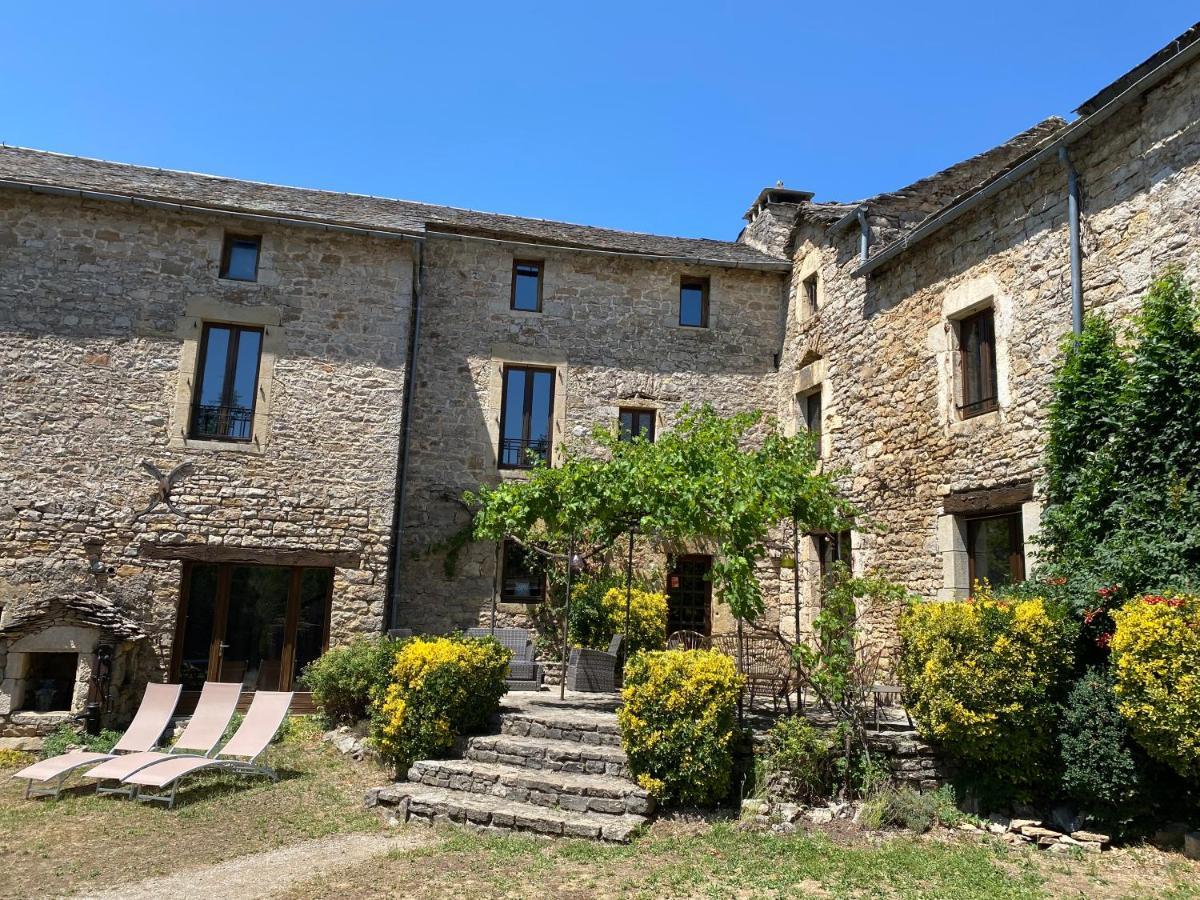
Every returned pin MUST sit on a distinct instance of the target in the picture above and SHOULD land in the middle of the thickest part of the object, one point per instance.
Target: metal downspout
(1073, 227)
(392, 613)
(864, 234)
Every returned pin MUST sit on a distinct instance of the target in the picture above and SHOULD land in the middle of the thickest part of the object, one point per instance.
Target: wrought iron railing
(226, 423)
(518, 453)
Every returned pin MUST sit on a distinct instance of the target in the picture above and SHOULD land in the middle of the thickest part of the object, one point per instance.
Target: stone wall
(100, 315)
(889, 423)
(610, 327)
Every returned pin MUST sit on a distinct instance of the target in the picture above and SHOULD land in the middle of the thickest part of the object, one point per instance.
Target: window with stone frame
(526, 416)
(526, 285)
(522, 577)
(995, 549)
(832, 548)
(636, 422)
(977, 377)
(226, 383)
(810, 294)
(693, 302)
(239, 257)
(810, 413)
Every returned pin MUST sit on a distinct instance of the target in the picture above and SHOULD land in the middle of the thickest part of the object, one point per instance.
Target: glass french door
(689, 595)
(257, 626)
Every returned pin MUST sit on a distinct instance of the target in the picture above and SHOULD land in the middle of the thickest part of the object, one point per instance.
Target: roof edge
(1073, 132)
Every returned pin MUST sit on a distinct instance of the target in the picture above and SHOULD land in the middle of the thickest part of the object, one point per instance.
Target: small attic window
(239, 257)
(693, 302)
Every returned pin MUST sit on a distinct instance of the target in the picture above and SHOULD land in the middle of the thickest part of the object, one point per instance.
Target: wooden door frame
(708, 593)
(287, 654)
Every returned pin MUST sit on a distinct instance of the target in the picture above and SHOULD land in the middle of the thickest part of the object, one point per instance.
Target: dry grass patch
(57, 847)
(686, 860)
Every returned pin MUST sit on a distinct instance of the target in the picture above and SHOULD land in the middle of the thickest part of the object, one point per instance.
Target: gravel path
(268, 873)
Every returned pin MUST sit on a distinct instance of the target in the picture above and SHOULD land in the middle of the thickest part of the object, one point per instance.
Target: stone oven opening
(49, 683)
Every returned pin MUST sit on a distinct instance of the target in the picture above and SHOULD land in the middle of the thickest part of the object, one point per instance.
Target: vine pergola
(729, 480)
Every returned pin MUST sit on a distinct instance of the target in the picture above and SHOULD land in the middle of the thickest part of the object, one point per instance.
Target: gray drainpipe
(864, 234)
(392, 613)
(1073, 226)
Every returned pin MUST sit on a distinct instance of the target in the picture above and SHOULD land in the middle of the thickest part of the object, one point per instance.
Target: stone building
(332, 371)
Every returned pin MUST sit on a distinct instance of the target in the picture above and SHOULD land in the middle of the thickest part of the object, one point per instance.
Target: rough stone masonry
(384, 330)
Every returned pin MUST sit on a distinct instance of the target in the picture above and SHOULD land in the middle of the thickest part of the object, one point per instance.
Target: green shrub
(67, 736)
(598, 612)
(1100, 770)
(678, 723)
(440, 688)
(984, 678)
(799, 762)
(348, 682)
(1156, 658)
(906, 808)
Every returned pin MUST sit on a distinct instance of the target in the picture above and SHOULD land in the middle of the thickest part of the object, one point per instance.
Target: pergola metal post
(628, 595)
(572, 561)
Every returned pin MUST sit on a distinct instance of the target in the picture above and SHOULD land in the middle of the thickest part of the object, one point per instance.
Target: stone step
(547, 754)
(594, 729)
(421, 803)
(603, 794)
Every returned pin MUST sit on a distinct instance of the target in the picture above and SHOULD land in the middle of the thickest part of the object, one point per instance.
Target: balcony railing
(223, 423)
(518, 453)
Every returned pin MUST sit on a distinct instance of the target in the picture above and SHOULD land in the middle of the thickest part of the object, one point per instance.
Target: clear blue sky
(648, 116)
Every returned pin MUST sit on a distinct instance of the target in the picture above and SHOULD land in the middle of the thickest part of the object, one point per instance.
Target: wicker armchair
(524, 672)
(688, 640)
(767, 666)
(594, 671)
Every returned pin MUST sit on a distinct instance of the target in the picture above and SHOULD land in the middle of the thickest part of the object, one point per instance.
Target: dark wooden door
(689, 595)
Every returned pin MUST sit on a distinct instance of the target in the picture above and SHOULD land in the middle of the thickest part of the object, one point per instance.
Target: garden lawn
(84, 842)
(721, 862)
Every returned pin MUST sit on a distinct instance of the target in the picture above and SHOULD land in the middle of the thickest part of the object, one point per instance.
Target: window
(526, 286)
(995, 549)
(833, 548)
(226, 383)
(526, 411)
(239, 257)
(637, 423)
(810, 294)
(521, 577)
(693, 302)
(977, 364)
(810, 412)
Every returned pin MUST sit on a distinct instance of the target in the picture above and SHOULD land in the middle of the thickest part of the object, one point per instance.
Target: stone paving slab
(548, 754)
(421, 803)
(562, 790)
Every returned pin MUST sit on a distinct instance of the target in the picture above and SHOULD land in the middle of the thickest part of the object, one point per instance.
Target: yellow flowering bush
(1156, 663)
(983, 678)
(440, 688)
(678, 723)
(596, 615)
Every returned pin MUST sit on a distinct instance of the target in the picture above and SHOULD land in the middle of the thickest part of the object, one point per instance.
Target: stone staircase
(555, 768)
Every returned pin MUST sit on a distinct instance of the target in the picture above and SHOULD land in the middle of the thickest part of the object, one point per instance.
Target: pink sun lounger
(240, 756)
(148, 725)
(214, 709)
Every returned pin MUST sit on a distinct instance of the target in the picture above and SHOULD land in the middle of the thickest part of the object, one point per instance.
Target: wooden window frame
(1016, 545)
(541, 579)
(704, 284)
(637, 415)
(541, 271)
(526, 414)
(988, 373)
(810, 285)
(287, 656)
(227, 252)
(841, 545)
(235, 339)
